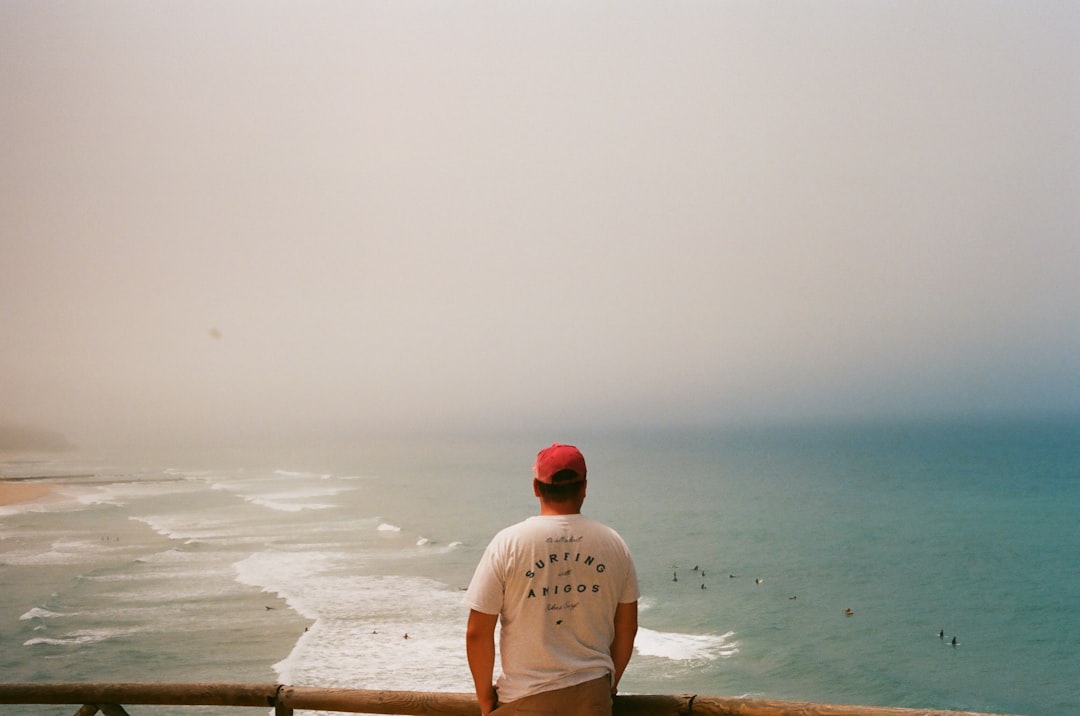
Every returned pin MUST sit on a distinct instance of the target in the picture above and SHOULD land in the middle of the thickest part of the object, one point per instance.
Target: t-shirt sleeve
(485, 592)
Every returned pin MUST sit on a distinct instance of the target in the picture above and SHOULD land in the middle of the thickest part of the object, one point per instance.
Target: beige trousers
(592, 698)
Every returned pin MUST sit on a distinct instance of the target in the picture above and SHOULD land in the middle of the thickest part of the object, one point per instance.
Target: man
(564, 589)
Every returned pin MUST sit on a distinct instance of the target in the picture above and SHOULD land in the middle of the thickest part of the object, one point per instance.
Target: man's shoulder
(543, 524)
(529, 523)
(599, 526)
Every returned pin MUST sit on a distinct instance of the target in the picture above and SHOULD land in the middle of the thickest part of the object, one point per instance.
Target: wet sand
(12, 492)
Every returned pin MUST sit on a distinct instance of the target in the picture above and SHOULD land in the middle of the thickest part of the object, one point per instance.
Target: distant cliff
(16, 437)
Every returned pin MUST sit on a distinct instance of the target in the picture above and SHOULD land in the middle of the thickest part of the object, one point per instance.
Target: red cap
(557, 458)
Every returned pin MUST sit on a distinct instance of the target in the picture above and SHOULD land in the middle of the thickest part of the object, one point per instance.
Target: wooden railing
(285, 700)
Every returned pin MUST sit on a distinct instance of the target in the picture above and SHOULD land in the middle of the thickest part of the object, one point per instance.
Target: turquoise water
(309, 566)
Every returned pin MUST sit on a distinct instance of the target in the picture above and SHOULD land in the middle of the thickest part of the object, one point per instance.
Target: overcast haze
(242, 220)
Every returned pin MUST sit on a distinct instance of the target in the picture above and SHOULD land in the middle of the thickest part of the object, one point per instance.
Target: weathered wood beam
(401, 703)
(169, 694)
(656, 705)
(719, 706)
(287, 699)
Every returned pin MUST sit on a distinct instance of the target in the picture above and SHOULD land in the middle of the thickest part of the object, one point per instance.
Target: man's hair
(565, 485)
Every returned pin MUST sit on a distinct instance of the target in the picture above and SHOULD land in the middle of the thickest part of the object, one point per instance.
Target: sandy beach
(12, 492)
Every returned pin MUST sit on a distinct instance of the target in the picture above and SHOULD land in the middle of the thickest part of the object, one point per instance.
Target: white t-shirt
(555, 581)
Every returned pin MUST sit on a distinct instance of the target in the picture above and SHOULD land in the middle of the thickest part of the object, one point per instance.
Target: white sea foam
(285, 573)
(386, 527)
(173, 580)
(298, 498)
(63, 551)
(402, 632)
(121, 493)
(17, 508)
(685, 647)
(187, 526)
(433, 547)
(293, 473)
(173, 556)
(159, 525)
(295, 493)
(40, 613)
(100, 496)
(359, 623)
(82, 636)
(282, 506)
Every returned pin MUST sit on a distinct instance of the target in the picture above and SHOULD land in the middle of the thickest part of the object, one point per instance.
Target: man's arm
(480, 649)
(622, 646)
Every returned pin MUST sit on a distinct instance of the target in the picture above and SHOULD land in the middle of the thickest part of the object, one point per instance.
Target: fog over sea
(813, 564)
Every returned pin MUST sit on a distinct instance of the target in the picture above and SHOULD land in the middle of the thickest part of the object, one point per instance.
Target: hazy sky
(223, 219)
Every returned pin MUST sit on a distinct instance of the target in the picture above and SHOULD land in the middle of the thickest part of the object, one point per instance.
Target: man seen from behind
(563, 589)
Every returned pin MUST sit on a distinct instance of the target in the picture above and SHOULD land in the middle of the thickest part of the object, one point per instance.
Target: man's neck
(548, 509)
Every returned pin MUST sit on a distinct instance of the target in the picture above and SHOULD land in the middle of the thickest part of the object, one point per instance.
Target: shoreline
(15, 492)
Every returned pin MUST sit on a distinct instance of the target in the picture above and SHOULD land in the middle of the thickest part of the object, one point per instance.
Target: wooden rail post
(112, 710)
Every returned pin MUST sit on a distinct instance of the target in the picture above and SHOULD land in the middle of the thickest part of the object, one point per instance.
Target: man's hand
(488, 701)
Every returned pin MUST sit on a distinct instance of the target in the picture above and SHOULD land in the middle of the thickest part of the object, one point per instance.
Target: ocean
(831, 564)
